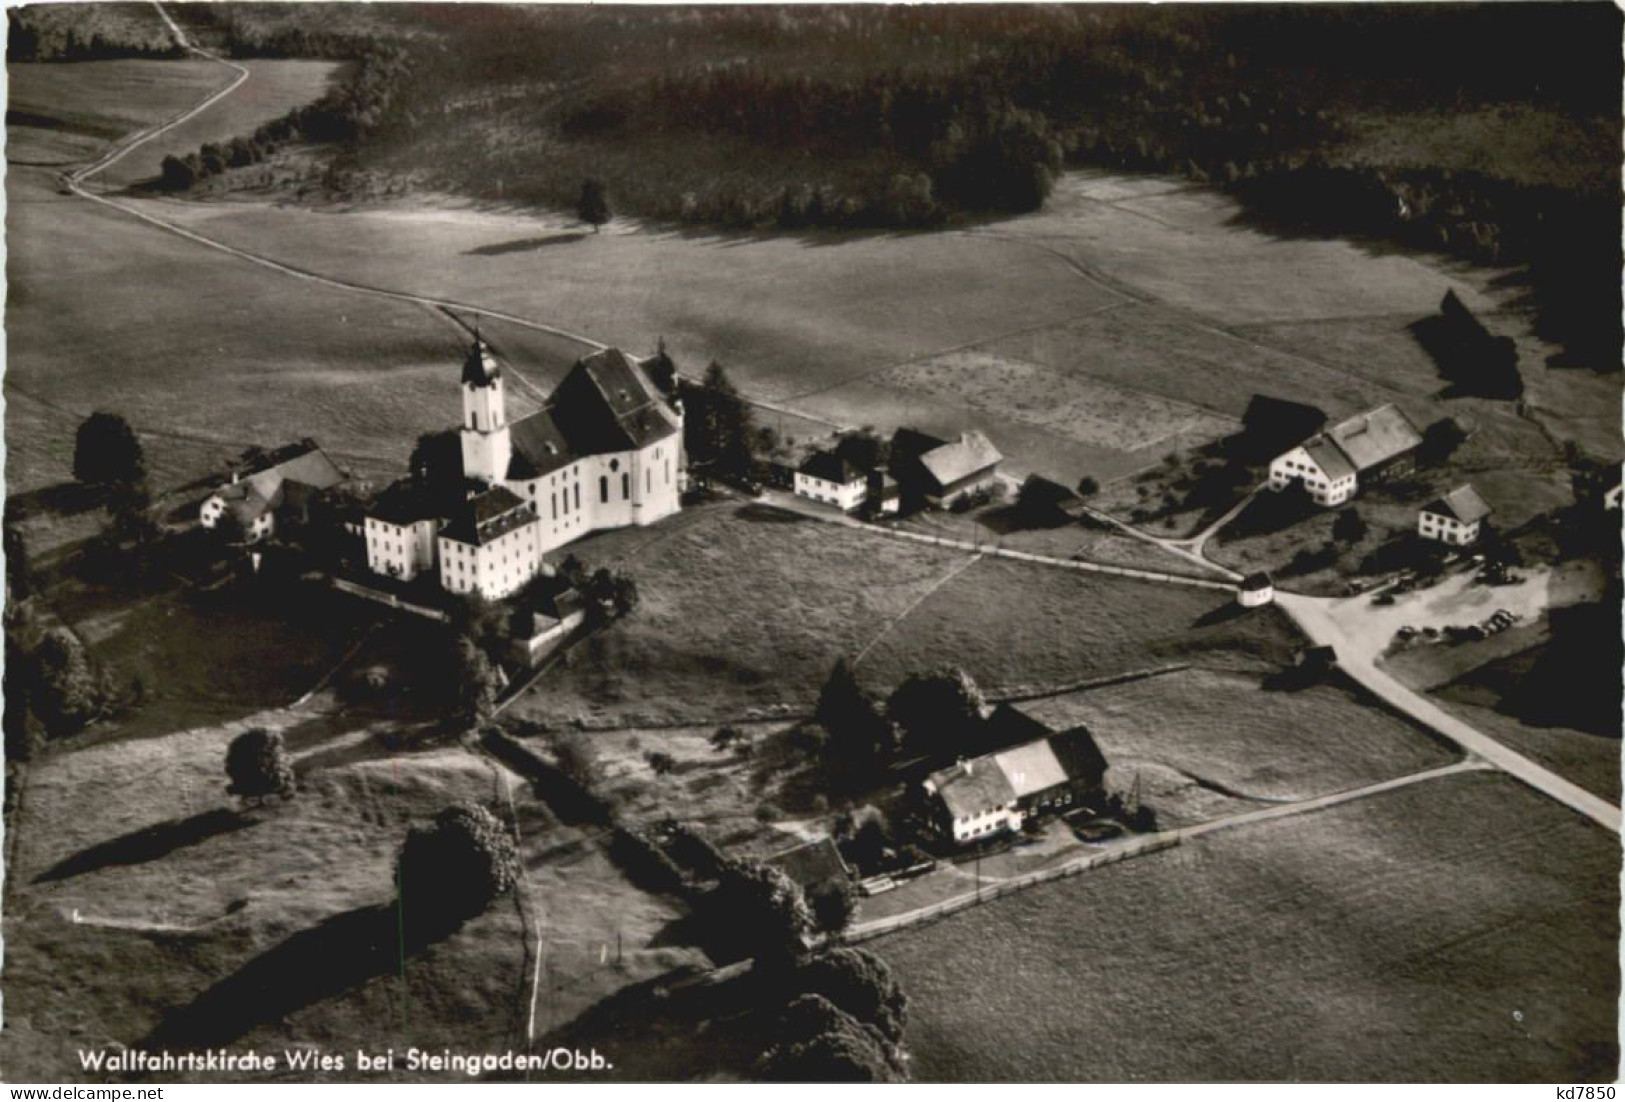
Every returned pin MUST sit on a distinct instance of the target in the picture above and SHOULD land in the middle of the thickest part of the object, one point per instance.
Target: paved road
(1317, 618)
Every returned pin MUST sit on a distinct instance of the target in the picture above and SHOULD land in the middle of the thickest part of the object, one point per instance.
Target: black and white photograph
(812, 543)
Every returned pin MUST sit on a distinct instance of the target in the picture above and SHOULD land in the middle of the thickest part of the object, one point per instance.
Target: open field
(1015, 627)
(1390, 938)
(1084, 409)
(65, 113)
(273, 88)
(1223, 730)
(742, 608)
(746, 608)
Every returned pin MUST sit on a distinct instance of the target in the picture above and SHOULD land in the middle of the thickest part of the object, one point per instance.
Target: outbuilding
(1255, 589)
(1455, 518)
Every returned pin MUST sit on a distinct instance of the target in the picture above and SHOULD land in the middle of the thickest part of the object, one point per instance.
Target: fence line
(380, 597)
(1151, 843)
(1081, 565)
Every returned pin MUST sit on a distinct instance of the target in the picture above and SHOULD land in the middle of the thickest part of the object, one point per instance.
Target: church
(605, 451)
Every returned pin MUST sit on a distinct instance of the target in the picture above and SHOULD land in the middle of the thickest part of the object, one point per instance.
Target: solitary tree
(257, 765)
(1088, 487)
(943, 707)
(107, 453)
(719, 427)
(453, 870)
(594, 205)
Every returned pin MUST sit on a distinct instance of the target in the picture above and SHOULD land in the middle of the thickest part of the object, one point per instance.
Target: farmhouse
(953, 470)
(827, 477)
(604, 452)
(1453, 518)
(280, 482)
(997, 792)
(1330, 464)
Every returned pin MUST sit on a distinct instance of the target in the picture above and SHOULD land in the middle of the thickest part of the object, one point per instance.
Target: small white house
(1255, 589)
(826, 477)
(1454, 518)
(1612, 499)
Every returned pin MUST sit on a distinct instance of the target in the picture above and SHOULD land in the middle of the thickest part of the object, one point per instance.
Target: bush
(454, 869)
(660, 761)
(861, 984)
(258, 766)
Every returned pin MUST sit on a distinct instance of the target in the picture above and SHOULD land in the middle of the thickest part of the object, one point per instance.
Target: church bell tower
(486, 447)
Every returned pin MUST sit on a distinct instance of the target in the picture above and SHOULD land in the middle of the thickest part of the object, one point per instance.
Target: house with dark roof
(282, 482)
(1331, 464)
(1045, 773)
(1455, 517)
(936, 473)
(604, 451)
(831, 479)
(816, 866)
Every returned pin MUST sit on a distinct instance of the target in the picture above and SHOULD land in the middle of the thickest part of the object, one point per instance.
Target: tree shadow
(148, 844)
(1223, 614)
(336, 955)
(63, 499)
(525, 244)
(768, 514)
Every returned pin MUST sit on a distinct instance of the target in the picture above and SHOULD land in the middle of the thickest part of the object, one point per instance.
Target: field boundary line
(959, 568)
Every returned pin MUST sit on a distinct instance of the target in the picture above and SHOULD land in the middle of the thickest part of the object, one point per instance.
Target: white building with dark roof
(1331, 464)
(605, 451)
(281, 481)
(1454, 518)
(828, 478)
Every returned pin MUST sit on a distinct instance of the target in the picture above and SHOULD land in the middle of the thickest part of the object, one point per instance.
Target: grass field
(273, 88)
(62, 113)
(1388, 939)
(1017, 627)
(273, 926)
(744, 609)
(1223, 730)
